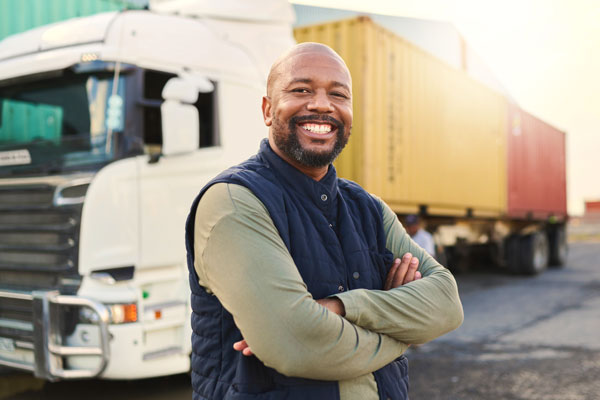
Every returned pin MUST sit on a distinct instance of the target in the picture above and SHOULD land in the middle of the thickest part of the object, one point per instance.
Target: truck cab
(109, 127)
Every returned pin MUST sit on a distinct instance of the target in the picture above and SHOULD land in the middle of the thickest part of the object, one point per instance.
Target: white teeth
(317, 128)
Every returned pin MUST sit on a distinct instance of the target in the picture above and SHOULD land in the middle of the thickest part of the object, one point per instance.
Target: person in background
(418, 234)
(305, 286)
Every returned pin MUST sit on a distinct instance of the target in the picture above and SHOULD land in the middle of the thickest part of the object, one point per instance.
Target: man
(269, 236)
(419, 235)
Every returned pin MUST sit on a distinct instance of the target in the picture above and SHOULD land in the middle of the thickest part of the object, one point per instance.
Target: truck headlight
(123, 313)
(119, 314)
(88, 316)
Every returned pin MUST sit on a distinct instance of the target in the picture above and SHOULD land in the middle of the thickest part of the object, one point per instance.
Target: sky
(546, 53)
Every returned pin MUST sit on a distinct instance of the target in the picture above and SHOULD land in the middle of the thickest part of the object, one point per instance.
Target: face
(412, 229)
(309, 109)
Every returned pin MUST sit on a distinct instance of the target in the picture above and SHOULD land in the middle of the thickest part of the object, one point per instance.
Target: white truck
(109, 126)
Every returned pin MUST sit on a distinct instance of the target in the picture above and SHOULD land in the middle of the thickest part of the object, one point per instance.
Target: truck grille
(38, 247)
(20, 313)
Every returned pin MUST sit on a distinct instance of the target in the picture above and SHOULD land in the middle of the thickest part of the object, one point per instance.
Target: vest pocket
(233, 394)
(251, 377)
(392, 380)
(258, 382)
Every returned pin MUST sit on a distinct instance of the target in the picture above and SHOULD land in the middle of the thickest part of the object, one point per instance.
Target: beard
(289, 143)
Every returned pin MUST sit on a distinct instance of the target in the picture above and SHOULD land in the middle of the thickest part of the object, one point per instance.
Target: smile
(317, 128)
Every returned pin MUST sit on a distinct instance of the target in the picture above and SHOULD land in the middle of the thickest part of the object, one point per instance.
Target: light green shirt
(241, 259)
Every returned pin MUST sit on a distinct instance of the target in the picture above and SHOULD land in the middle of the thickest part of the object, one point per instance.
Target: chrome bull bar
(48, 351)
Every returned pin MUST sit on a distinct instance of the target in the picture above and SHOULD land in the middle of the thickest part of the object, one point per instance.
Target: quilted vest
(334, 232)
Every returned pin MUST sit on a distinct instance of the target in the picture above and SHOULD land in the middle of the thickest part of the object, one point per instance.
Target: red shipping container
(537, 184)
(592, 207)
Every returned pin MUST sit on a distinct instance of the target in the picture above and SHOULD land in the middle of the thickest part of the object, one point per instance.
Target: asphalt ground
(523, 338)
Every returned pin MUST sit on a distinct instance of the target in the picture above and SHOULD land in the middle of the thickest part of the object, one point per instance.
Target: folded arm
(241, 259)
(413, 313)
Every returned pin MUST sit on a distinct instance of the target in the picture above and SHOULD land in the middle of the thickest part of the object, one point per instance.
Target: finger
(401, 272)
(418, 275)
(390, 276)
(240, 346)
(412, 268)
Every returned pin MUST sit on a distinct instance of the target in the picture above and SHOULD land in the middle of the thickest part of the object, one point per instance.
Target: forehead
(317, 66)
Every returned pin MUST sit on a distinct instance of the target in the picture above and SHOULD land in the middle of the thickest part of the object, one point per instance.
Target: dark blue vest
(334, 232)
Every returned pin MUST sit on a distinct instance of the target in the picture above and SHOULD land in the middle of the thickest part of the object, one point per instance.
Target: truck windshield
(60, 124)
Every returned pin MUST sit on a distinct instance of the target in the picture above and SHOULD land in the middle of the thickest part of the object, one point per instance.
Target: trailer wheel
(557, 239)
(534, 253)
(458, 257)
(512, 253)
(441, 255)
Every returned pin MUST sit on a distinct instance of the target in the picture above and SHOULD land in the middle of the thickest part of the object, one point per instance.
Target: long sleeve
(414, 313)
(241, 259)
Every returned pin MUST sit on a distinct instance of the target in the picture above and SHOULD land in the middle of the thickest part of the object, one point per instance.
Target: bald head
(308, 49)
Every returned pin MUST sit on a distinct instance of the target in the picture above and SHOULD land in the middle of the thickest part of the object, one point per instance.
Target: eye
(300, 90)
(340, 95)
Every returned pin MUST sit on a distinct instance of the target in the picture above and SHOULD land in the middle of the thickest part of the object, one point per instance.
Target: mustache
(318, 117)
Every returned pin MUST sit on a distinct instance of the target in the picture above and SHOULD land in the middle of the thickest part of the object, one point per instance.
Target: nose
(320, 102)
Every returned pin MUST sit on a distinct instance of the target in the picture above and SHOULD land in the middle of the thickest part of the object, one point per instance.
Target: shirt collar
(323, 192)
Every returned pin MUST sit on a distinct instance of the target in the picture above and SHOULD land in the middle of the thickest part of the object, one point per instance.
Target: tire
(534, 253)
(458, 260)
(512, 253)
(441, 255)
(557, 239)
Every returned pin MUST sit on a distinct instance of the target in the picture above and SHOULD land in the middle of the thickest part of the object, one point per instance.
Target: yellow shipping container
(424, 133)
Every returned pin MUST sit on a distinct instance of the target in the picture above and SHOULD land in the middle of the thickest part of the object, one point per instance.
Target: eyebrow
(308, 80)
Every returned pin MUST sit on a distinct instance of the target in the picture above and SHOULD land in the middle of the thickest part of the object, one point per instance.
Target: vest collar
(323, 193)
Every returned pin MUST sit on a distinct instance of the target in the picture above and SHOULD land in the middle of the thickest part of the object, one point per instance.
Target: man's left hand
(403, 271)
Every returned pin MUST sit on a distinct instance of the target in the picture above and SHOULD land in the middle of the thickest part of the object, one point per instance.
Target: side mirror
(180, 120)
(180, 127)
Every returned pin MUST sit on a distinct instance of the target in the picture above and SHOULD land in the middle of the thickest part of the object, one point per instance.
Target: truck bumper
(37, 345)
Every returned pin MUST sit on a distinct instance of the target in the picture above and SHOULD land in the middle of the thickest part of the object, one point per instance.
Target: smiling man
(304, 286)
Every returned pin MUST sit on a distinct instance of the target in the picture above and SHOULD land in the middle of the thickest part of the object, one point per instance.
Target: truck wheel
(459, 257)
(497, 253)
(557, 239)
(440, 255)
(534, 253)
(512, 253)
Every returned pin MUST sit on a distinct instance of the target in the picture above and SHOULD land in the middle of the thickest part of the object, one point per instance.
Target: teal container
(20, 15)
(24, 122)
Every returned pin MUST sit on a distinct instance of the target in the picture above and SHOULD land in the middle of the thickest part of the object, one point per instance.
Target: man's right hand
(242, 346)
(403, 271)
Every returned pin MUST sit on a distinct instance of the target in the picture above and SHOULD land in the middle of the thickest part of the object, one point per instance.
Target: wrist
(334, 305)
(339, 306)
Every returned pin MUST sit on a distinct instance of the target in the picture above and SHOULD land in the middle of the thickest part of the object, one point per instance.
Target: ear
(267, 110)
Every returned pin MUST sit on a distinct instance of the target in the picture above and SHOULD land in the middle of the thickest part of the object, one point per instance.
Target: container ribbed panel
(21, 15)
